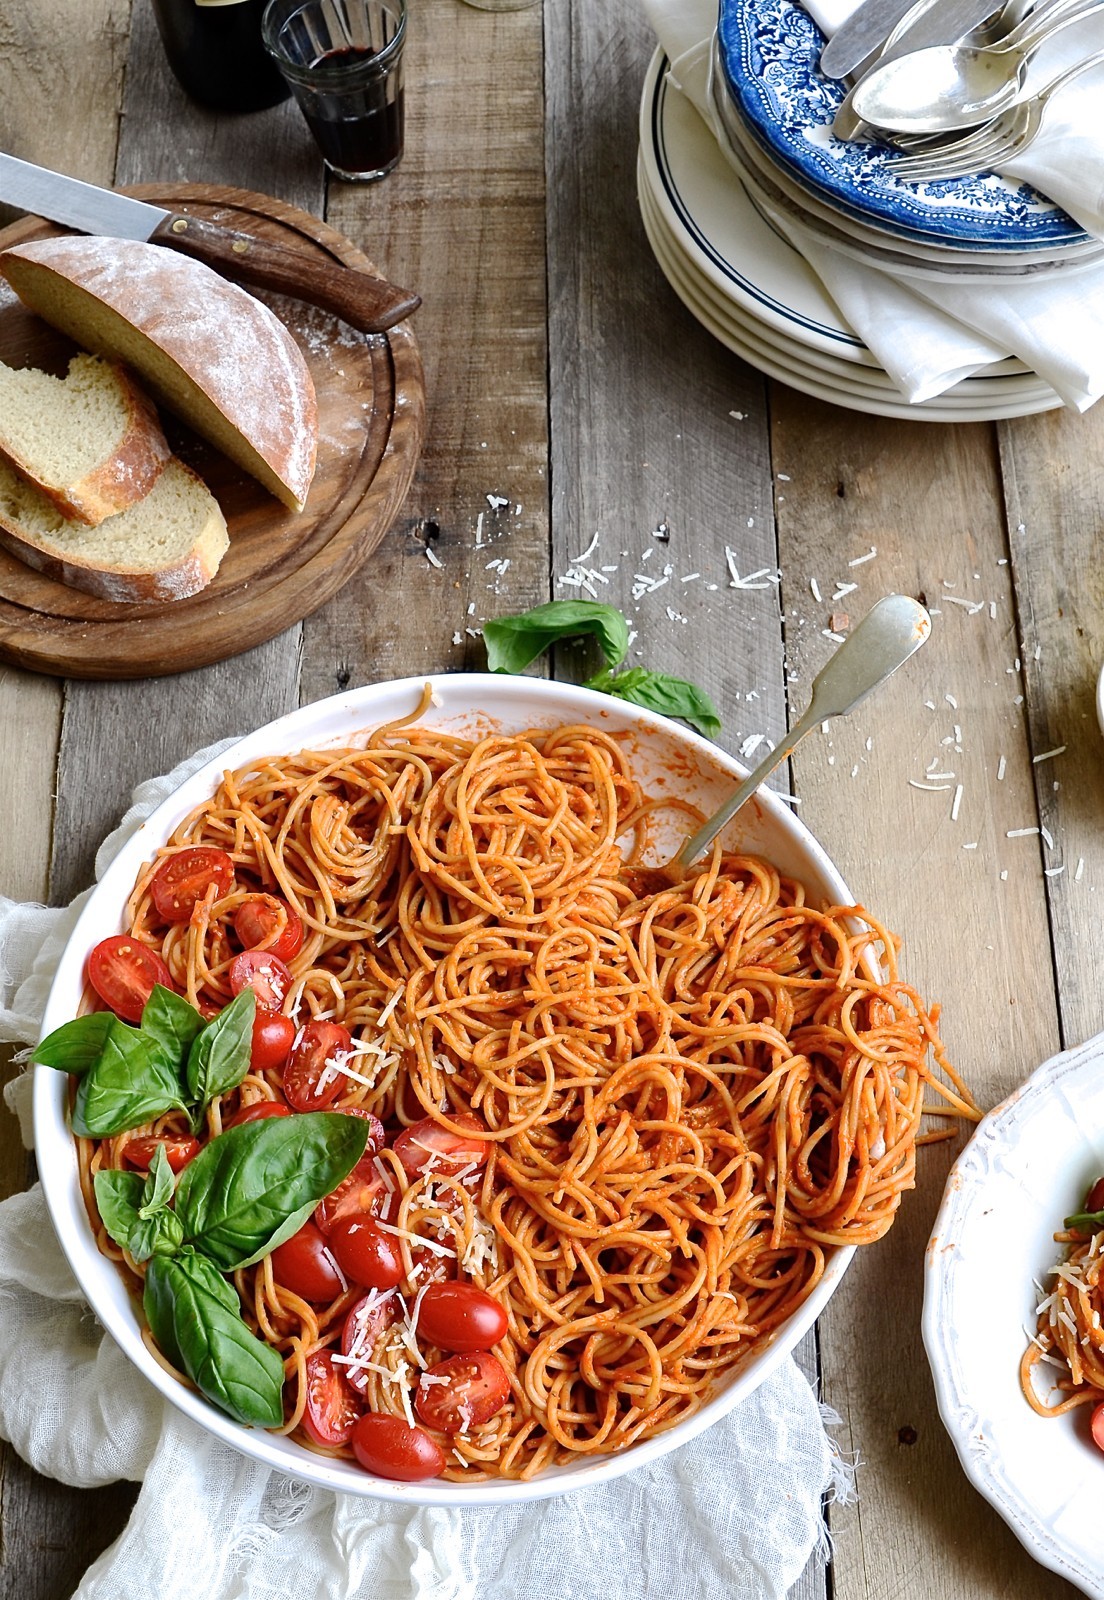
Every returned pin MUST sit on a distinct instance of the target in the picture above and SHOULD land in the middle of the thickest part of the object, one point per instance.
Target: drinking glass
(343, 61)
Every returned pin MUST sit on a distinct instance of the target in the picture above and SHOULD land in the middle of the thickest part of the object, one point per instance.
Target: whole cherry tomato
(458, 1316)
(475, 1389)
(265, 974)
(1098, 1425)
(123, 971)
(304, 1265)
(416, 1145)
(256, 921)
(257, 1112)
(273, 1037)
(183, 879)
(391, 1448)
(331, 1407)
(367, 1320)
(365, 1253)
(307, 1083)
(179, 1150)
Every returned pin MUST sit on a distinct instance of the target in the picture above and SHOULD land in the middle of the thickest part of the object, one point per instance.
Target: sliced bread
(91, 441)
(165, 547)
(210, 352)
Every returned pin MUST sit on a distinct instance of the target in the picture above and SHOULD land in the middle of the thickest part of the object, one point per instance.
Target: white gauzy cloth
(930, 333)
(735, 1512)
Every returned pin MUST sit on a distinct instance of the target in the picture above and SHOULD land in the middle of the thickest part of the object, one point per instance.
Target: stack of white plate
(705, 212)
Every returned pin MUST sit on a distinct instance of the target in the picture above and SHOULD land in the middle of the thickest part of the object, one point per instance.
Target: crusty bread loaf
(207, 350)
(91, 441)
(165, 547)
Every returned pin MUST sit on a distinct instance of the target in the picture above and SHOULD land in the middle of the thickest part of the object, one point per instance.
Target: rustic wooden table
(564, 377)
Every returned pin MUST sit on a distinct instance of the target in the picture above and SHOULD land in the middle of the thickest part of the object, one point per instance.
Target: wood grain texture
(928, 501)
(461, 221)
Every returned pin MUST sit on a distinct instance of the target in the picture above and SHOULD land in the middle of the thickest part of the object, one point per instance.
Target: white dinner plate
(1028, 1166)
(858, 393)
(993, 386)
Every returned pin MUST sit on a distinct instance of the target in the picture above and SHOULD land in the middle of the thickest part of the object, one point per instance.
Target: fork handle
(1042, 22)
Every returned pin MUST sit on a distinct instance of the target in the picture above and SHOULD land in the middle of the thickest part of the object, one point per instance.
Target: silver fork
(986, 147)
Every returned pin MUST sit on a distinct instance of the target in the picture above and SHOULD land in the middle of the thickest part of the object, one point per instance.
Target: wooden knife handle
(368, 303)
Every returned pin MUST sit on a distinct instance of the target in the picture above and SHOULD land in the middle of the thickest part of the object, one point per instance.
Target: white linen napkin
(735, 1512)
(926, 333)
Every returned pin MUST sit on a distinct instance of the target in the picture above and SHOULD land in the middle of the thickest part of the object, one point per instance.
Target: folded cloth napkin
(737, 1511)
(928, 333)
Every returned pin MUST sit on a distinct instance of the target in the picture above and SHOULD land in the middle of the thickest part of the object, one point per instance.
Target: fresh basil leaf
(256, 1184)
(1086, 1221)
(157, 1190)
(118, 1196)
(672, 697)
(512, 642)
(219, 1058)
(159, 1234)
(127, 1086)
(171, 1024)
(195, 1317)
(76, 1045)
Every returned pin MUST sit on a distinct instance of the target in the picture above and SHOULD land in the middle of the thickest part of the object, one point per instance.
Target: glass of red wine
(343, 62)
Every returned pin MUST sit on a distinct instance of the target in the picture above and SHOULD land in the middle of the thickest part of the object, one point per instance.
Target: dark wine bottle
(216, 54)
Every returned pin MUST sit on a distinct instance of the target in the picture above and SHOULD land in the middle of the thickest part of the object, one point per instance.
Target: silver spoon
(890, 632)
(947, 87)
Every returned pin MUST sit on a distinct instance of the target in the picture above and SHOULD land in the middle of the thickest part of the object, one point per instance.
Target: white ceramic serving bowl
(667, 759)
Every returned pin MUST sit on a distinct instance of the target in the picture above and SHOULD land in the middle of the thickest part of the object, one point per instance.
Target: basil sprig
(194, 1315)
(245, 1193)
(513, 642)
(172, 1062)
(255, 1185)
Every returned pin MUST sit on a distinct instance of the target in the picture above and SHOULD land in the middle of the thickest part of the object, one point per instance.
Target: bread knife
(868, 28)
(365, 302)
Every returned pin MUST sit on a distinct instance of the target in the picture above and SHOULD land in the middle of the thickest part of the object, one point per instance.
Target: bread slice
(91, 441)
(165, 547)
(207, 350)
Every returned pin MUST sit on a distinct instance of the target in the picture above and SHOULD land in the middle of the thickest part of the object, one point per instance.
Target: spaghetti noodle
(689, 1098)
(1068, 1334)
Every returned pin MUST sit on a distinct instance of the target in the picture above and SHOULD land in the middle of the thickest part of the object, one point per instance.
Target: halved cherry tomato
(307, 1084)
(123, 971)
(458, 1316)
(273, 1037)
(377, 1133)
(178, 1151)
(1094, 1200)
(1098, 1425)
(476, 1389)
(265, 974)
(183, 878)
(391, 1448)
(256, 921)
(362, 1193)
(453, 1151)
(368, 1319)
(365, 1253)
(332, 1408)
(304, 1265)
(257, 1112)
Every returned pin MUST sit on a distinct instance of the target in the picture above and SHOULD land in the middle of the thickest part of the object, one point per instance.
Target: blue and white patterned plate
(770, 51)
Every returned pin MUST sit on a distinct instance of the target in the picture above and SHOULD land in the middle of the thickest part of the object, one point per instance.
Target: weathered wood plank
(928, 500)
(1055, 507)
(462, 221)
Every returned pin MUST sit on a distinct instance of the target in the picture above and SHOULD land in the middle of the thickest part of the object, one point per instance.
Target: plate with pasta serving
(1013, 1305)
(416, 1137)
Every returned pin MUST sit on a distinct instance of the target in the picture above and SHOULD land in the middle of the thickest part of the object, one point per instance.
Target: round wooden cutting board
(280, 566)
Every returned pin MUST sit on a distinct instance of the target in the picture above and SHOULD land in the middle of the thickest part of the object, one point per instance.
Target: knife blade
(864, 31)
(368, 303)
